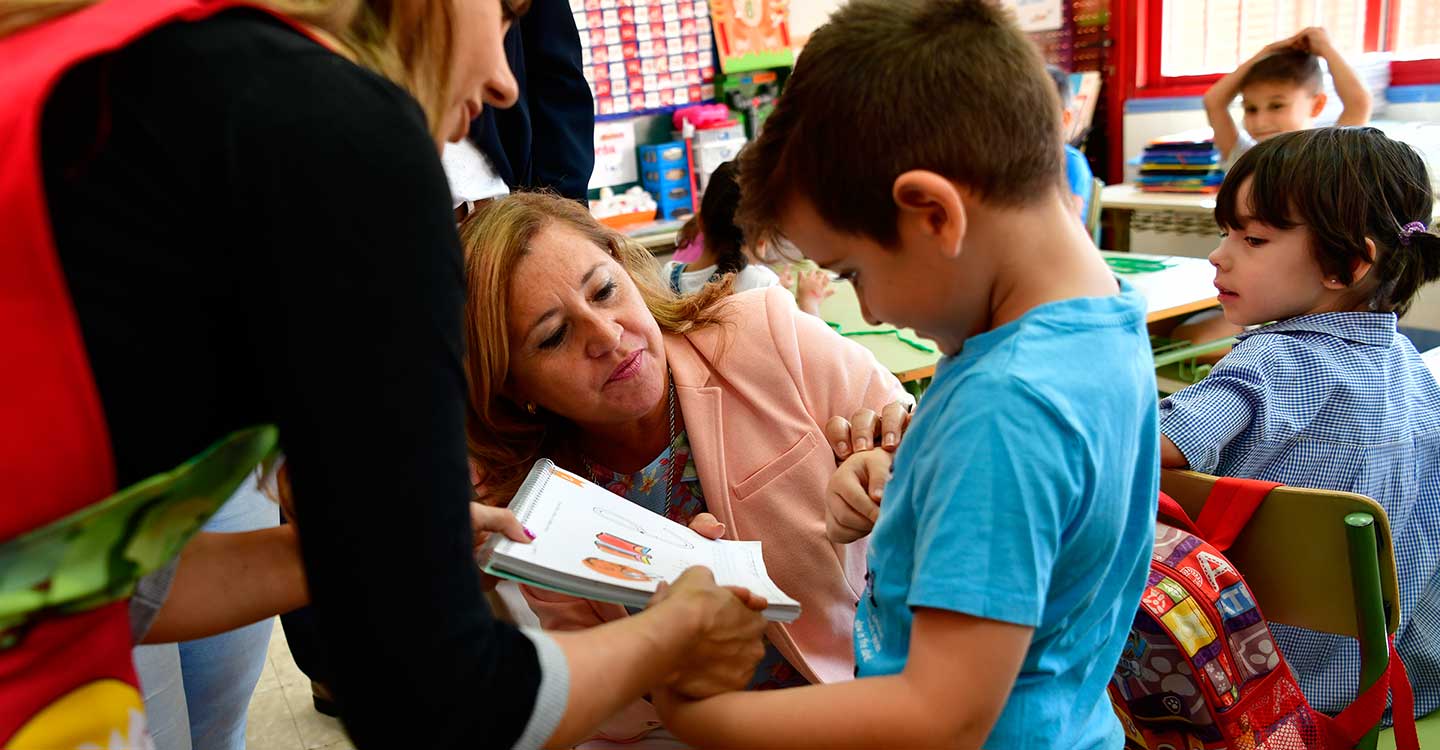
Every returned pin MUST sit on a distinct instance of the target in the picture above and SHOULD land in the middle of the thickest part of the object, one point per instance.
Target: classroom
(670, 374)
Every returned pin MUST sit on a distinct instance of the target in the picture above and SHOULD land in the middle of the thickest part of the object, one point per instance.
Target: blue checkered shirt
(1336, 401)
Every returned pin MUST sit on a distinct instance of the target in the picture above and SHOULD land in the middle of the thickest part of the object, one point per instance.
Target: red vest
(68, 678)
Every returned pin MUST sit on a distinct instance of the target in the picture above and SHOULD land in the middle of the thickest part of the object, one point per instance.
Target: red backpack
(1200, 670)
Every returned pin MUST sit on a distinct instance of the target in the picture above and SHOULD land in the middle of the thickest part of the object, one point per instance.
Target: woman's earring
(530, 407)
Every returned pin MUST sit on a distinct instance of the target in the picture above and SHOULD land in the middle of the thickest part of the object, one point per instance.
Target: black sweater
(255, 230)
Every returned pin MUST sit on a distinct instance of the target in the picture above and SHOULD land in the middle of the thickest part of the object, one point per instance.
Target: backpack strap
(1231, 503)
(1365, 712)
(1172, 513)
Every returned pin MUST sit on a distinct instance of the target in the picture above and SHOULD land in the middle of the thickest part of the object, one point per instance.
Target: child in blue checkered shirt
(1325, 235)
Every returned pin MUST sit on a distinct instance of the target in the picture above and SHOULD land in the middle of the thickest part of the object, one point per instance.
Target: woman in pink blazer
(714, 403)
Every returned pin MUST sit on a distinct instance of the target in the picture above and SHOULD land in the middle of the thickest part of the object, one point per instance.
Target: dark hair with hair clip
(717, 221)
(1344, 185)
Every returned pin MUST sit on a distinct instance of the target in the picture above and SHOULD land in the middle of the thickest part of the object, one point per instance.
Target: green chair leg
(1365, 577)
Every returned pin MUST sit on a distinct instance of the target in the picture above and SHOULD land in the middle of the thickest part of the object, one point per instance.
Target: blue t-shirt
(1025, 491)
(1079, 176)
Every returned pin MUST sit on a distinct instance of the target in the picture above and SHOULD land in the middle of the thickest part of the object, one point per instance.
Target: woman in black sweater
(254, 228)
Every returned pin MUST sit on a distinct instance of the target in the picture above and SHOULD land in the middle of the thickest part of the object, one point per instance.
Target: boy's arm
(1347, 83)
(955, 684)
(1170, 456)
(1217, 107)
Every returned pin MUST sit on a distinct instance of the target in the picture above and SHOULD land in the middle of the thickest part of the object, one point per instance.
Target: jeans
(197, 693)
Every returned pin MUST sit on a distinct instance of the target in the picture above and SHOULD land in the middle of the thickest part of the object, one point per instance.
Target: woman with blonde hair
(220, 215)
(710, 409)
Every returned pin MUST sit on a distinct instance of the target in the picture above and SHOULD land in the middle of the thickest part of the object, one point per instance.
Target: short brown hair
(887, 86)
(1344, 185)
(504, 439)
(1295, 67)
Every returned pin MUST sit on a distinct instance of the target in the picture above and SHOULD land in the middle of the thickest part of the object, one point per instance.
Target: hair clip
(1409, 229)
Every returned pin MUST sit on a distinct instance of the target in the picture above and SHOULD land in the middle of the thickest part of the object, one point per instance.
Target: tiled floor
(282, 716)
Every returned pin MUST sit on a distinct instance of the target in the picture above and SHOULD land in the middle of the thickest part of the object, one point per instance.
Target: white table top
(1184, 286)
(1130, 197)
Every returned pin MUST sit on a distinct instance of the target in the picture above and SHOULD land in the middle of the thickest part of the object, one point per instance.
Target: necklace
(670, 472)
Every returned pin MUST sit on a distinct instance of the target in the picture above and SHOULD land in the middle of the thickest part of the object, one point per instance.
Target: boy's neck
(1038, 254)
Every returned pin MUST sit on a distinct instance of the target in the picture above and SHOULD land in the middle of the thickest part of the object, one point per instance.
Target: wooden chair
(1302, 551)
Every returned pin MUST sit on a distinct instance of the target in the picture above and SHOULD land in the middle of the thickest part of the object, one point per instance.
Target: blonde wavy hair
(503, 438)
(411, 42)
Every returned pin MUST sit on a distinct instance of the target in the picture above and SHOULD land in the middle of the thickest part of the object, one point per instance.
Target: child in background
(1281, 90)
(1014, 539)
(1325, 235)
(1077, 168)
(724, 249)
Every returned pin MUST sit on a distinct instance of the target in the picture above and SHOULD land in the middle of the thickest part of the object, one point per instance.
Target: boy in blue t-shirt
(914, 151)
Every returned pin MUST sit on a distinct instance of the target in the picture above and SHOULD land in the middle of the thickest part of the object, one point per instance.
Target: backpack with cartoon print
(1200, 670)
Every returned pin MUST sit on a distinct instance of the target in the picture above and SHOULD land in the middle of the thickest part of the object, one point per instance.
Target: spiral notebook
(594, 544)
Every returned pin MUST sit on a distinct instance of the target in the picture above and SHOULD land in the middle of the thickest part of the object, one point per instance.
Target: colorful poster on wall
(752, 34)
(1037, 15)
(643, 55)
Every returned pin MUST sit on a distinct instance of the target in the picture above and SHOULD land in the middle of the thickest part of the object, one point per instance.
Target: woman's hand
(727, 646)
(484, 521)
(861, 430)
(852, 501)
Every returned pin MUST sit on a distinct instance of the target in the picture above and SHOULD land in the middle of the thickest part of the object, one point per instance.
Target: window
(1414, 29)
(1187, 44)
(1213, 36)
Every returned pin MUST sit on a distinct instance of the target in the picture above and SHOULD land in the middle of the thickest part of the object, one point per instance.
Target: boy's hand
(707, 525)
(863, 430)
(852, 501)
(1314, 40)
(723, 655)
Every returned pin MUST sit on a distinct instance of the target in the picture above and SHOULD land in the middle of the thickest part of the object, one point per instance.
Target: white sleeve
(553, 695)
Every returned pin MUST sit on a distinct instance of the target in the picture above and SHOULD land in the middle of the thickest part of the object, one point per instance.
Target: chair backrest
(1294, 553)
(1092, 212)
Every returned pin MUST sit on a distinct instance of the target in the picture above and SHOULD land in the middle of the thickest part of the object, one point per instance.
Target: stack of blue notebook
(1182, 163)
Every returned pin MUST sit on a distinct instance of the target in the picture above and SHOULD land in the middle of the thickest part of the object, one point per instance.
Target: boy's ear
(1318, 104)
(930, 210)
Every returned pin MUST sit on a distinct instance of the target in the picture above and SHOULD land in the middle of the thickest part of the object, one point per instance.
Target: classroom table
(1120, 202)
(1188, 213)
(1173, 287)
(901, 350)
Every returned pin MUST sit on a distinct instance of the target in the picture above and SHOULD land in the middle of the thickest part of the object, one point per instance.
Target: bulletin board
(645, 55)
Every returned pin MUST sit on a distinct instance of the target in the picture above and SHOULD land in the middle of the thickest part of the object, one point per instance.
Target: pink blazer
(755, 394)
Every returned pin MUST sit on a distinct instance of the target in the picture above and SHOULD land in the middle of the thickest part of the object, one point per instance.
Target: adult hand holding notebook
(594, 544)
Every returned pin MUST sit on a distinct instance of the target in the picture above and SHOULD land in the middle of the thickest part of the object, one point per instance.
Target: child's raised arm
(954, 686)
(1347, 84)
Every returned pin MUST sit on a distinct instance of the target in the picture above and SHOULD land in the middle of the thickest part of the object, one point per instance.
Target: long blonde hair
(503, 438)
(411, 42)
